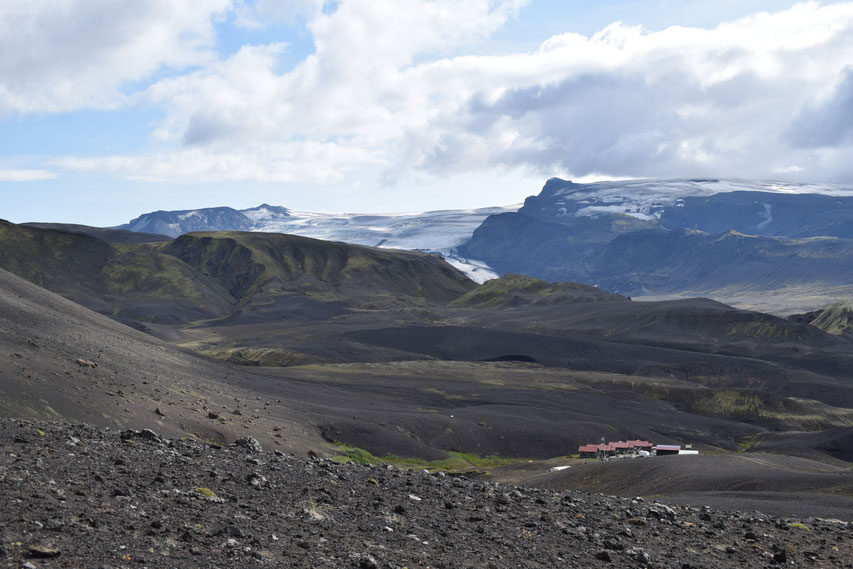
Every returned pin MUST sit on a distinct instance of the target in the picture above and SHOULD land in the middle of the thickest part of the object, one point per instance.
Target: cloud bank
(25, 175)
(64, 55)
(389, 88)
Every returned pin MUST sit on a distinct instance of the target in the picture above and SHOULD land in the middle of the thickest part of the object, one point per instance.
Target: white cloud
(26, 175)
(63, 55)
(387, 86)
(307, 162)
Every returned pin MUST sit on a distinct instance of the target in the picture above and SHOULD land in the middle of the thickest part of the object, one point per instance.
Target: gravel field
(78, 496)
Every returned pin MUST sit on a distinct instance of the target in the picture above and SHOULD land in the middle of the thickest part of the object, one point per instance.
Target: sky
(114, 108)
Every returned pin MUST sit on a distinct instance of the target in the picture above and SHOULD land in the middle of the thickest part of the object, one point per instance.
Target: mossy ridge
(255, 267)
(513, 289)
(264, 357)
(103, 276)
(55, 260)
(496, 292)
(455, 463)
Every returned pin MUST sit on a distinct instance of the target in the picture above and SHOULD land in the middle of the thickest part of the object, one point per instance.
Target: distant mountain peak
(175, 223)
(267, 212)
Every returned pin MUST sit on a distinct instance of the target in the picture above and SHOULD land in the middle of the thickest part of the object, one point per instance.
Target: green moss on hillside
(258, 266)
(456, 462)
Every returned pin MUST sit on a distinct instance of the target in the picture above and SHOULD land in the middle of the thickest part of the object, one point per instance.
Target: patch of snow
(476, 270)
(767, 215)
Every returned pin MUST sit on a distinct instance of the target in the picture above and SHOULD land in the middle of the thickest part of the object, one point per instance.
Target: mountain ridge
(729, 240)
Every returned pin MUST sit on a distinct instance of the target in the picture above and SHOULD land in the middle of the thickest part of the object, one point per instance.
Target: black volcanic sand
(502, 408)
(62, 361)
(783, 485)
(77, 496)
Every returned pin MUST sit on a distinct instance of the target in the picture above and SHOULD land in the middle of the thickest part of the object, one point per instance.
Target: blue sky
(113, 108)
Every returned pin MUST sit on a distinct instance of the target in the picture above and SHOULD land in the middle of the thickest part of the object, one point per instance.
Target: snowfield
(645, 199)
(433, 231)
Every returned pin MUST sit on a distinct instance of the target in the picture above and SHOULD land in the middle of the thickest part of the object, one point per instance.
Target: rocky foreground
(77, 496)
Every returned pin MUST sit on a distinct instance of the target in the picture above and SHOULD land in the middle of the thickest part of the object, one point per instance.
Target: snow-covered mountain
(175, 223)
(649, 199)
(728, 239)
(433, 231)
(568, 231)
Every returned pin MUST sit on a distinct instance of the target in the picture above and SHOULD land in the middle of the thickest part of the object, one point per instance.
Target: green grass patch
(456, 462)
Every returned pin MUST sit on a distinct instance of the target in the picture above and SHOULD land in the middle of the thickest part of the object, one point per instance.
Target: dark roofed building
(661, 450)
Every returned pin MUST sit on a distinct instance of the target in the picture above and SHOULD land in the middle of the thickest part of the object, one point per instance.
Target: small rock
(212, 415)
(158, 412)
(363, 561)
(662, 511)
(257, 480)
(149, 435)
(603, 555)
(249, 443)
(613, 543)
(42, 552)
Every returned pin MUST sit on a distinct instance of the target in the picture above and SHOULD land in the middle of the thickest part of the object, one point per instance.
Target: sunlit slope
(262, 265)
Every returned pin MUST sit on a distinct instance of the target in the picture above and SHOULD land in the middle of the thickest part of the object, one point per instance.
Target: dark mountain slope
(671, 261)
(59, 360)
(102, 233)
(764, 213)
